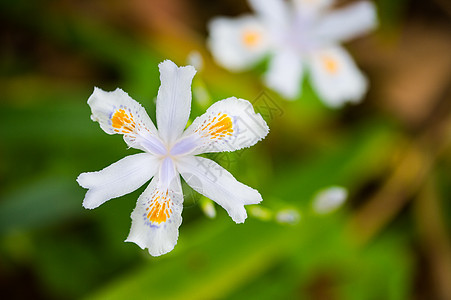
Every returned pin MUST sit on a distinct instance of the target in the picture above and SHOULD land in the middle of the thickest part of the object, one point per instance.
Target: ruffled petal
(174, 100)
(347, 23)
(336, 78)
(118, 113)
(118, 179)
(228, 125)
(158, 213)
(285, 73)
(238, 43)
(213, 181)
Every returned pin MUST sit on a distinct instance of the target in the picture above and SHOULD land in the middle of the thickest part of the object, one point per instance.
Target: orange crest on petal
(123, 122)
(217, 127)
(159, 210)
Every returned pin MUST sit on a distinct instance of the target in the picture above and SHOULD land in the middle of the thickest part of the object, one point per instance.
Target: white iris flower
(299, 36)
(228, 125)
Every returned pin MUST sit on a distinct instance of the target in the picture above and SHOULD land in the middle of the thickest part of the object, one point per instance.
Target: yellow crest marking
(123, 122)
(159, 209)
(218, 127)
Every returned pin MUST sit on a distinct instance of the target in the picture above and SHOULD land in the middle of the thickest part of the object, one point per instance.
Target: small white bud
(329, 199)
(208, 207)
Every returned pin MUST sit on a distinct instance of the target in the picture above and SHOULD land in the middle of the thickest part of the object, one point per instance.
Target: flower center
(251, 38)
(300, 35)
(330, 64)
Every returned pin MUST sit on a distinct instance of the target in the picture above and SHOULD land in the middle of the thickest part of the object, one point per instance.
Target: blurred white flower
(299, 36)
(195, 59)
(329, 199)
(288, 216)
(228, 125)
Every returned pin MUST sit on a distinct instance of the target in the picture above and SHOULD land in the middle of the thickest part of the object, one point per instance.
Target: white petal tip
(152, 250)
(131, 240)
(239, 216)
(95, 92)
(82, 180)
(88, 205)
(261, 127)
(239, 221)
(167, 63)
(170, 64)
(159, 252)
(157, 245)
(253, 197)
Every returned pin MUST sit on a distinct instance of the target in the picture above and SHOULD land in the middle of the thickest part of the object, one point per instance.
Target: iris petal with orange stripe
(123, 122)
(159, 209)
(216, 128)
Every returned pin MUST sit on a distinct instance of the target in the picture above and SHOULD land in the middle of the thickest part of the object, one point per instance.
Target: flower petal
(347, 23)
(118, 113)
(336, 78)
(174, 100)
(228, 125)
(158, 213)
(213, 181)
(274, 12)
(312, 8)
(285, 73)
(118, 179)
(238, 43)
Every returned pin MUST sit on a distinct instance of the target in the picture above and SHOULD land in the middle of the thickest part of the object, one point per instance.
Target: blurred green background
(392, 152)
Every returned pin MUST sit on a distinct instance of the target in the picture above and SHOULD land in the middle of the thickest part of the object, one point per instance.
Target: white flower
(329, 199)
(228, 125)
(299, 37)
